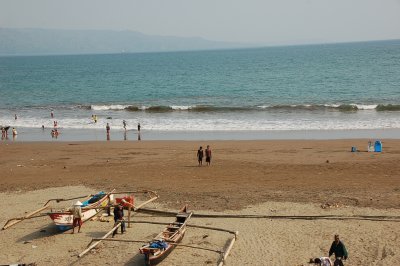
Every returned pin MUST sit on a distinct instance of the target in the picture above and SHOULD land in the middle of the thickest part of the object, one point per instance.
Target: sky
(243, 21)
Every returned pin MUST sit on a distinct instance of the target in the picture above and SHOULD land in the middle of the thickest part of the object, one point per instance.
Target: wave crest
(388, 107)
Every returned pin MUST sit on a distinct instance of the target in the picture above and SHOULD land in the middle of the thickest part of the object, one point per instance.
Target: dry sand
(246, 177)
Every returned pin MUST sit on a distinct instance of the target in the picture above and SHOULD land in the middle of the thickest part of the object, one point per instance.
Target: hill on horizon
(62, 42)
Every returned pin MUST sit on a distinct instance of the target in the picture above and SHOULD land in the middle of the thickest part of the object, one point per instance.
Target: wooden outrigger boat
(63, 219)
(155, 251)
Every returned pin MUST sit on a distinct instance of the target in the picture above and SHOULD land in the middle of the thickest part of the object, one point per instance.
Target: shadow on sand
(137, 260)
(46, 231)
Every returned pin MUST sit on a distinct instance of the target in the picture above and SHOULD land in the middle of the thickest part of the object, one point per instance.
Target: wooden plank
(228, 249)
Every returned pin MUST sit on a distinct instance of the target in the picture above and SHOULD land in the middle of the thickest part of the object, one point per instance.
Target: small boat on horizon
(159, 248)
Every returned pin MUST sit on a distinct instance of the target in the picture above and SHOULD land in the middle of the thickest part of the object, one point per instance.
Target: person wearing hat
(77, 216)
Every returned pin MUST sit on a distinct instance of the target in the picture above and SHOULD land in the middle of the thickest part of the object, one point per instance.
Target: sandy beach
(246, 177)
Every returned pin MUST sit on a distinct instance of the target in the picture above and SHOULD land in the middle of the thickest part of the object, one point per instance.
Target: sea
(307, 91)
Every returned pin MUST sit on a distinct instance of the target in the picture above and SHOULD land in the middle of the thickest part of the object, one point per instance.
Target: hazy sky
(252, 21)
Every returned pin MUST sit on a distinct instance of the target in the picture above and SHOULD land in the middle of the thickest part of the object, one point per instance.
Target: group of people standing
(124, 124)
(4, 130)
(201, 153)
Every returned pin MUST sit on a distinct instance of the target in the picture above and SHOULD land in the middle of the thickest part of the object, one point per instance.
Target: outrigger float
(92, 206)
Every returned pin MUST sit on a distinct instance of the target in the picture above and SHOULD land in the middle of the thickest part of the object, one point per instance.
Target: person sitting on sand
(77, 216)
(339, 249)
(200, 154)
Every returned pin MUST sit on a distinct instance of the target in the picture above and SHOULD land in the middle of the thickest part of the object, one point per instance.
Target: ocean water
(316, 87)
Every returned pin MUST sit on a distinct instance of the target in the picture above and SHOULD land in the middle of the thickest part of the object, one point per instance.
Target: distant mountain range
(54, 41)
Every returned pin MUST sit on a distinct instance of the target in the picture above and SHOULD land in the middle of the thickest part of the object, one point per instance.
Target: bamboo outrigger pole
(155, 196)
(228, 249)
(146, 241)
(188, 225)
(14, 221)
(99, 241)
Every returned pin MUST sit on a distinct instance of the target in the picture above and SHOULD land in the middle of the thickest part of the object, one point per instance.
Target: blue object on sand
(378, 146)
(353, 149)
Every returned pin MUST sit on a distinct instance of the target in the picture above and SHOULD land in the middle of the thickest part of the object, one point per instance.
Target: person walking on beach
(124, 124)
(208, 155)
(77, 216)
(138, 127)
(339, 249)
(200, 154)
(14, 132)
(119, 217)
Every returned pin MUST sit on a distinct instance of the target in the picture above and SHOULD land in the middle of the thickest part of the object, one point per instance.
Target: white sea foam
(108, 107)
(181, 107)
(215, 123)
(366, 106)
(204, 121)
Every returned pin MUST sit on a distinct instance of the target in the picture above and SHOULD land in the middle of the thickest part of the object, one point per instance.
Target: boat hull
(63, 220)
(154, 260)
(163, 244)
